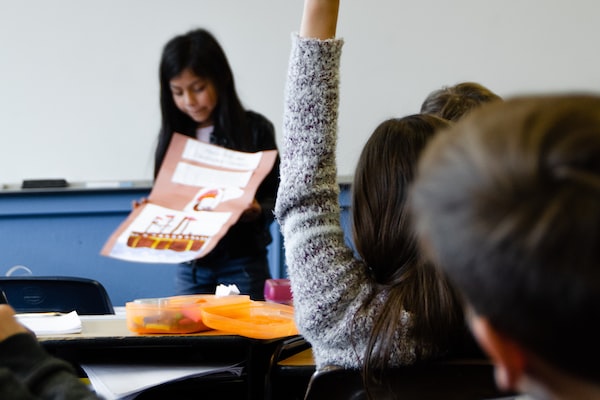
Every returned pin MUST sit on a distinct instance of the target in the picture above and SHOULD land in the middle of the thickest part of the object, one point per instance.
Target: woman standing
(198, 99)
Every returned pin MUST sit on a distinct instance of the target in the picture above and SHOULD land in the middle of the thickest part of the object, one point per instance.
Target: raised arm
(319, 19)
(328, 283)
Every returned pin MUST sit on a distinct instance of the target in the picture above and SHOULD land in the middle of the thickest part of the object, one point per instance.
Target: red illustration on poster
(201, 190)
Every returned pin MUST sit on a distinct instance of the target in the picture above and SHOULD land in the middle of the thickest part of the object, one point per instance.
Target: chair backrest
(447, 380)
(288, 380)
(56, 293)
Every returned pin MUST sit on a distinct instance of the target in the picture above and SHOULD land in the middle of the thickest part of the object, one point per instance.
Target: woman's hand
(136, 203)
(252, 212)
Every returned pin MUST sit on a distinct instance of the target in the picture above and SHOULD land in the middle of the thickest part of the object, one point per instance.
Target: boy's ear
(506, 354)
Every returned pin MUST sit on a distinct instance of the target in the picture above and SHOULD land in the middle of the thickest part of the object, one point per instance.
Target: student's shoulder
(256, 118)
(262, 129)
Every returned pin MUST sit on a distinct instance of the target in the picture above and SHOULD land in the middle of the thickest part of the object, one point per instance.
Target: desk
(106, 339)
(302, 359)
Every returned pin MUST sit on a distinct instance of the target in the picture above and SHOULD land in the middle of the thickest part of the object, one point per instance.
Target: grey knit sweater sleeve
(329, 285)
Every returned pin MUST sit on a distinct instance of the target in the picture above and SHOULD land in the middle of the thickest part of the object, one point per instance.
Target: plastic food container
(254, 319)
(177, 314)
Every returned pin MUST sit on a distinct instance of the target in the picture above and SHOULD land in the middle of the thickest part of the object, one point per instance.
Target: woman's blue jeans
(247, 273)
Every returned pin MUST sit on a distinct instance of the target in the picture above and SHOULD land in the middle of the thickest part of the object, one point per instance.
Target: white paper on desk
(51, 323)
(126, 381)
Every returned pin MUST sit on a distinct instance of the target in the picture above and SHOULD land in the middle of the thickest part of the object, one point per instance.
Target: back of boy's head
(507, 202)
(454, 102)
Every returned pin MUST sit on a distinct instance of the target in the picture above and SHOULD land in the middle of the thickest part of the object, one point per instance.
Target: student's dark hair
(453, 102)
(508, 202)
(199, 51)
(385, 240)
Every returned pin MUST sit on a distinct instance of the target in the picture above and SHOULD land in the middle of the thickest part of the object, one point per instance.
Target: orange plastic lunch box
(254, 319)
(176, 314)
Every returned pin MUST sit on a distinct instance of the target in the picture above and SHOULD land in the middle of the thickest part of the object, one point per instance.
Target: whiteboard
(79, 79)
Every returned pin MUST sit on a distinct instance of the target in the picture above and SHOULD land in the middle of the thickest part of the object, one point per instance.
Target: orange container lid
(254, 319)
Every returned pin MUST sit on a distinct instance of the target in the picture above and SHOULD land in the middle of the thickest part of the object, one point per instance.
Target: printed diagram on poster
(201, 190)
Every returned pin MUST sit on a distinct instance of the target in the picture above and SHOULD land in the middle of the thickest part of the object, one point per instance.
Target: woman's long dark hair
(199, 51)
(386, 242)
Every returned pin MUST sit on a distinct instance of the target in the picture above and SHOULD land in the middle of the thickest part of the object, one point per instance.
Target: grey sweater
(329, 285)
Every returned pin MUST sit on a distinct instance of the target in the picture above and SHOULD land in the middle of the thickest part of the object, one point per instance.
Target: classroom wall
(79, 87)
(59, 232)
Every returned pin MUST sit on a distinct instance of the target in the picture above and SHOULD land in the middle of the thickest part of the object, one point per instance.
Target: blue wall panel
(61, 232)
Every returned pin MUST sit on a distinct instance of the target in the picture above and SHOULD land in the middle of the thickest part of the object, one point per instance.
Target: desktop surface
(106, 339)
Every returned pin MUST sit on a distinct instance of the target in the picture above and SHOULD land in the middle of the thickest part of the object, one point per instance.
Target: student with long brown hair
(387, 307)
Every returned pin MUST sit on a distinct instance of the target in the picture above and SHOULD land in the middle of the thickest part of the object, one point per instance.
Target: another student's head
(384, 238)
(453, 102)
(507, 202)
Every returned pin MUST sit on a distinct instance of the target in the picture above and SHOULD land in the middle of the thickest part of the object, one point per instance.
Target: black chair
(284, 381)
(57, 294)
(460, 379)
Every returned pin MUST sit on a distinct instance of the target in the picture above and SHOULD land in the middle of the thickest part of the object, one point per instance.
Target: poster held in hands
(201, 191)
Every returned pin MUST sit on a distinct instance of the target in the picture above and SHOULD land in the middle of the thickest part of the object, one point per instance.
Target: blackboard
(79, 85)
